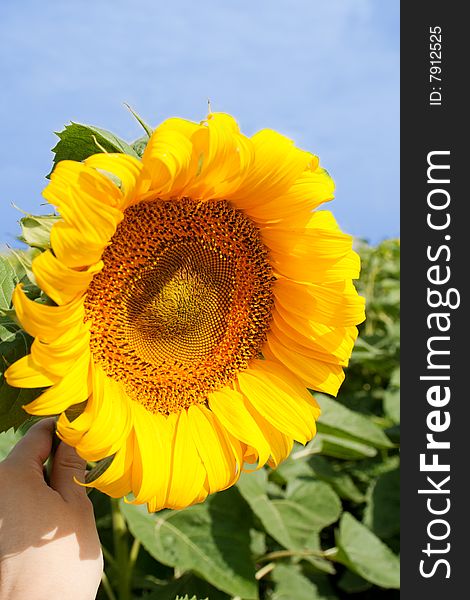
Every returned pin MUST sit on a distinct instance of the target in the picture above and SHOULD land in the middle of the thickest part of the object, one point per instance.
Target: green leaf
(7, 440)
(212, 539)
(291, 583)
(341, 482)
(382, 513)
(339, 447)
(310, 507)
(362, 552)
(339, 420)
(368, 469)
(12, 401)
(36, 230)
(14, 343)
(11, 273)
(78, 141)
(258, 542)
(317, 467)
(253, 487)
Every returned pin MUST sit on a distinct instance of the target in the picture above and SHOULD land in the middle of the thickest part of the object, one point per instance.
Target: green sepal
(78, 141)
(36, 230)
(140, 144)
(148, 130)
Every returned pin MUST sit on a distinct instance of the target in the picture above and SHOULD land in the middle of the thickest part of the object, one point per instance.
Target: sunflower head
(196, 294)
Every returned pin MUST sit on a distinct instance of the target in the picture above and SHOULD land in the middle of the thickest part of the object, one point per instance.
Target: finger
(33, 449)
(67, 467)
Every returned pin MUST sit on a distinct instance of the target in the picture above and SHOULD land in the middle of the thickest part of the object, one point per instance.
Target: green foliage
(212, 539)
(14, 341)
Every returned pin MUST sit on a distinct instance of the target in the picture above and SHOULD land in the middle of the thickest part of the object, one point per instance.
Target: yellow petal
(67, 244)
(58, 357)
(94, 219)
(168, 158)
(302, 327)
(281, 446)
(74, 388)
(131, 172)
(152, 455)
(90, 204)
(231, 409)
(316, 252)
(335, 304)
(187, 475)
(314, 373)
(43, 321)
(321, 233)
(104, 425)
(58, 281)
(311, 188)
(305, 266)
(331, 344)
(72, 432)
(213, 448)
(68, 173)
(250, 457)
(25, 373)
(116, 480)
(223, 156)
(279, 398)
(276, 166)
(310, 349)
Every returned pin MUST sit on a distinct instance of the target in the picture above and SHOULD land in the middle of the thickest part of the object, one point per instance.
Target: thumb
(66, 467)
(33, 449)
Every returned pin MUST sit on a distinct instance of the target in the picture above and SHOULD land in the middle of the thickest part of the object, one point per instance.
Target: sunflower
(196, 295)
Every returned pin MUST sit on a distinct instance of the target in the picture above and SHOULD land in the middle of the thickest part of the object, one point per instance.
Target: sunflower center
(183, 302)
(177, 309)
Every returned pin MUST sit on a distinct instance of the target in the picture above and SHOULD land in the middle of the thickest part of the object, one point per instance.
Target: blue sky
(323, 72)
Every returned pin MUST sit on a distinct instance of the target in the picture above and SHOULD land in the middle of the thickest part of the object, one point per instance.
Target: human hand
(49, 546)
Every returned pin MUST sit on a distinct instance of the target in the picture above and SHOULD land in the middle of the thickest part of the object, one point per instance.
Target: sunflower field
(324, 524)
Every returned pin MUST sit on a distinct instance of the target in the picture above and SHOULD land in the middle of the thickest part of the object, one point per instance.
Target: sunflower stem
(121, 552)
(329, 554)
(134, 553)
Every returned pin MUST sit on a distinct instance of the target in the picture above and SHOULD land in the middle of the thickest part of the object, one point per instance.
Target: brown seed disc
(183, 302)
